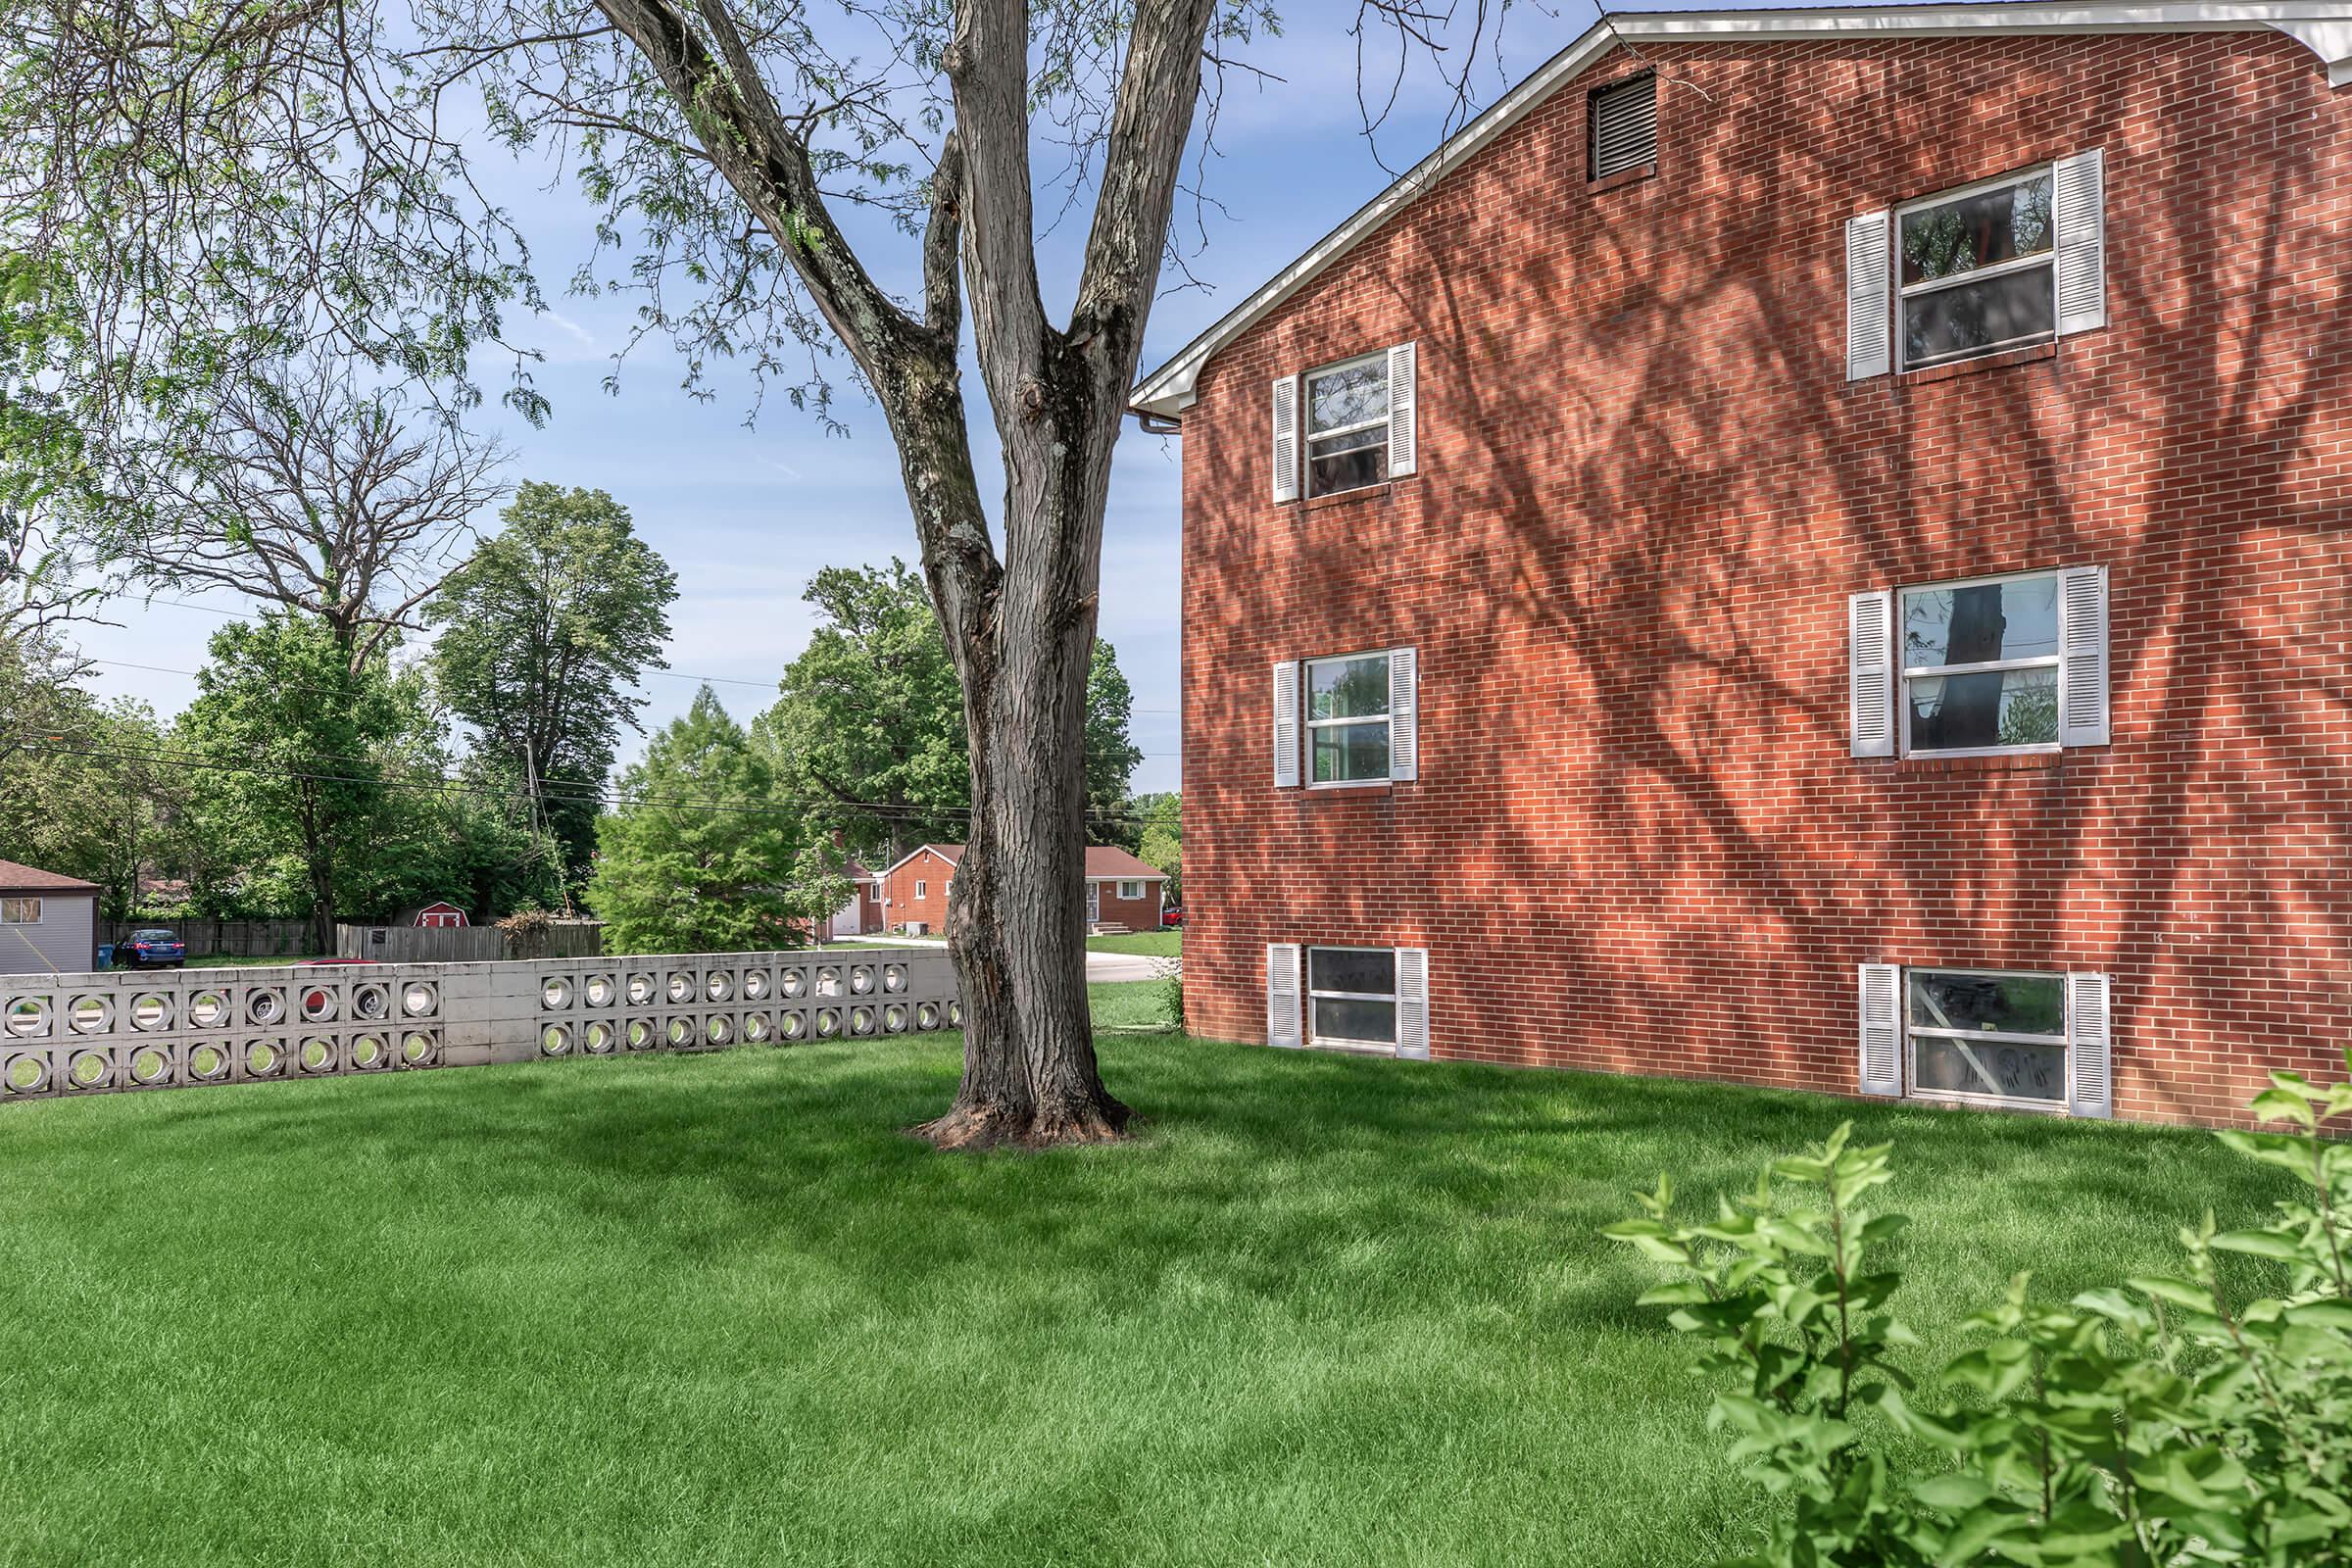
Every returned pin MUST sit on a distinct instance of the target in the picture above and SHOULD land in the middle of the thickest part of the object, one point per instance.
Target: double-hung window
(1360, 425)
(1999, 1037)
(1348, 720)
(1351, 997)
(923, 890)
(1348, 425)
(1977, 269)
(1981, 665)
(1131, 891)
(2004, 264)
(20, 911)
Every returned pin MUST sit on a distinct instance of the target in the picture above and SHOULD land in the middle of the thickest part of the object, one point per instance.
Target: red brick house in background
(1120, 890)
(1815, 555)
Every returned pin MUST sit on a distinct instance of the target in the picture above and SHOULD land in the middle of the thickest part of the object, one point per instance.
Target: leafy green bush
(2156, 1423)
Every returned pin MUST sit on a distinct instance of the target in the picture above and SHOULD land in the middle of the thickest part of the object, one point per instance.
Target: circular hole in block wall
(756, 1029)
(894, 977)
(27, 1017)
(90, 1016)
(956, 1014)
(893, 1018)
(828, 1022)
(680, 987)
(641, 1034)
(27, 1073)
(149, 1065)
(151, 1012)
(264, 1059)
(370, 1003)
(795, 982)
(419, 999)
(721, 1030)
(418, 1049)
(926, 1014)
(641, 990)
(828, 982)
(861, 979)
(265, 1008)
(718, 985)
(600, 991)
(368, 1052)
(89, 1068)
(555, 993)
(679, 1034)
(555, 1040)
(318, 1004)
(316, 1054)
(796, 1025)
(755, 985)
(862, 1020)
(207, 1010)
(598, 1038)
(208, 1063)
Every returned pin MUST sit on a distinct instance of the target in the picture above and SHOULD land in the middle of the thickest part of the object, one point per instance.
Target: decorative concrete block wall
(96, 1033)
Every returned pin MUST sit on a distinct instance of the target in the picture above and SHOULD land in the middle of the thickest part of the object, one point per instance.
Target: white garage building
(48, 923)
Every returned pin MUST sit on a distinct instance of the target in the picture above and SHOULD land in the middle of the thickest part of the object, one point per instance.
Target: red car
(1172, 915)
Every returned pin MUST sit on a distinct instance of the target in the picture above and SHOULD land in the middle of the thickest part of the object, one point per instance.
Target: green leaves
(2154, 1424)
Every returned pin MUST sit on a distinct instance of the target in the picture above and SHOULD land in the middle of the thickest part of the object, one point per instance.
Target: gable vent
(1625, 125)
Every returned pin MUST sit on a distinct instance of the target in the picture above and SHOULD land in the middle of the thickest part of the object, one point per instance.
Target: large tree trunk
(1021, 630)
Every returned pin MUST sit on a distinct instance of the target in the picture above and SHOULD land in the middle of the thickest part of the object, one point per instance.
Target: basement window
(1987, 1035)
(1351, 997)
(1622, 125)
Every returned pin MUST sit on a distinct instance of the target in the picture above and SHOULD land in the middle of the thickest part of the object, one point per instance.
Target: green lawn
(223, 961)
(715, 1310)
(1158, 944)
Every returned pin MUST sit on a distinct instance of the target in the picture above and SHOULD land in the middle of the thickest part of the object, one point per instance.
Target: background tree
(294, 744)
(1163, 847)
(543, 635)
(697, 856)
(313, 494)
(869, 729)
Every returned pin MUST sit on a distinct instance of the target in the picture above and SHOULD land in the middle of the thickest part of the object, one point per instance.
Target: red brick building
(1120, 890)
(1814, 554)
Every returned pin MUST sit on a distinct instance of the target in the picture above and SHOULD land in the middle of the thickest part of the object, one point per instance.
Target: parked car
(153, 949)
(1172, 915)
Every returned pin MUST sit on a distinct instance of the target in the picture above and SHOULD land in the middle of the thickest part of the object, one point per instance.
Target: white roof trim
(2323, 26)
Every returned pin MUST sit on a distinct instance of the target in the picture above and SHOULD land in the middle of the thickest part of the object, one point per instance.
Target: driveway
(1101, 968)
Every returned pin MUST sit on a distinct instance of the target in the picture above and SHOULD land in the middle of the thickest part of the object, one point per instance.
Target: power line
(443, 784)
(331, 691)
(665, 674)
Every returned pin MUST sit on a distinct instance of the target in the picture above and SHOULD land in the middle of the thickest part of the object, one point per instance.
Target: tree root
(996, 1126)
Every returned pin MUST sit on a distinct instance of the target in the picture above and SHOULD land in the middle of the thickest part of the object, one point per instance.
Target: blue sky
(746, 515)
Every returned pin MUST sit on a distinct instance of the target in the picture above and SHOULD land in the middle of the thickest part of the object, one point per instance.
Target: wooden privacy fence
(65, 1035)
(215, 939)
(468, 944)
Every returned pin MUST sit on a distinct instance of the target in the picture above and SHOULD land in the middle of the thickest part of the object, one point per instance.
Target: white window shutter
(1412, 1002)
(2090, 1091)
(1286, 724)
(1285, 438)
(2082, 645)
(1404, 713)
(1282, 995)
(2079, 200)
(1404, 412)
(1868, 274)
(1870, 634)
(1881, 1029)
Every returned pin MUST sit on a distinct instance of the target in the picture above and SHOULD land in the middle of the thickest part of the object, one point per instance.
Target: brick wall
(1645, 490)
(903, 904)
(1136, 914)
